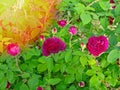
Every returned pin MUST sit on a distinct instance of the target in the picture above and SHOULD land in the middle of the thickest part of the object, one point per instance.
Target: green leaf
(25, 75)
(90, 8)
(92, 62)
(49, 62)
(53, 81)
(104, 63)
(42, 59)
(90, 72)
(101, 76)
(10, 76)
(56, 68)
(24, 87)
(113, 82)
(83, 60)
(80, 8)
(41, 68)
(77, 52)
(3, 83)
(68, 55)
(33, 82)
(112, 56)
(63, 68)
(117, 10)
(61, 86)
(104, 22)
(72, 88)
(86, 18)
(104, 5)
(94, 82)
(69, 79)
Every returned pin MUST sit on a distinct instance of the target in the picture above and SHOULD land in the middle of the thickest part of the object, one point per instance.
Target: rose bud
(112, 4)
(111, 20)
(13, 49)
(62, 23)
(112, 1)
(118, 62)
(39, 88)
(8, 85)
(73, 30)
(81, 84)
(42, 38)
(83, 46)
(54, 31)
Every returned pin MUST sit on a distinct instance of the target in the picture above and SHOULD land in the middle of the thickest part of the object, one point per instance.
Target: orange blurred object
(23, 21)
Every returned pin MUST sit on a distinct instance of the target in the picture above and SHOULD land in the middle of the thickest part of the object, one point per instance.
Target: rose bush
(80, 52)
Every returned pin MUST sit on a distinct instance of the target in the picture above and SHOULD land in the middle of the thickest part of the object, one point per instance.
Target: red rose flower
(52, 45)
(97, 45)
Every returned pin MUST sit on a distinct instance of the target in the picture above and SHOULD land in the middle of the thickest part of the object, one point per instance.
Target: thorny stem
(93, 3)
(17, 65)
(70, 44)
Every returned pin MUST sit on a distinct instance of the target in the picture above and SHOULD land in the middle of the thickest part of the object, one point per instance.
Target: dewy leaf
(86, 18)
(104, 5)
(80, 8)
(112, 56)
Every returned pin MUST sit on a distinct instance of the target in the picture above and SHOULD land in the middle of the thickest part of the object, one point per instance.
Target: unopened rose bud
(112, 4)
(83, 46)
(111, 20)
(81, 84)
(42, 38)
(54, 30)
(73, 30)
(8, 85)
(39, 88)
(118, 62)
(62, 23)
(112, 1)
(38, 47)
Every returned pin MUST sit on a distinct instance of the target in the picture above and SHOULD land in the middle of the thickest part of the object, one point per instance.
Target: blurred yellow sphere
(22, 21)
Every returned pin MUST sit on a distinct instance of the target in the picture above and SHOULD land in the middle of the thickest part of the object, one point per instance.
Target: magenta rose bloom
(73, 30)
(62, 23)
(13, 49)
(52, 45)
(97, 45)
